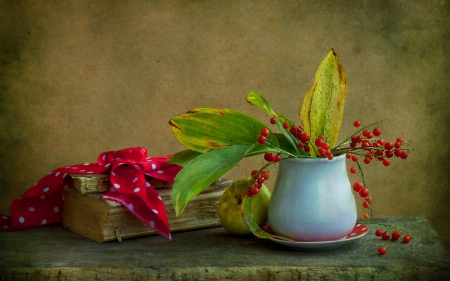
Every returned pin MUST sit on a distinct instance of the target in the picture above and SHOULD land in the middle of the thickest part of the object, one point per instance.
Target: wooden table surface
(54, 253)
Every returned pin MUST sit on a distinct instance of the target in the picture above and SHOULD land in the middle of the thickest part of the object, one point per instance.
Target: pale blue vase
(312, 200)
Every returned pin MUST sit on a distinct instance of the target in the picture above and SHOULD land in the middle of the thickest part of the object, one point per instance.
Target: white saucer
(359, 231)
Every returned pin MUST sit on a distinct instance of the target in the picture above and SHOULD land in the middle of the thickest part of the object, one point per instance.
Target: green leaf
(261, 102)
(205, 129)
(183, 157)
(253, 226)
(202, 171)
(289, 137)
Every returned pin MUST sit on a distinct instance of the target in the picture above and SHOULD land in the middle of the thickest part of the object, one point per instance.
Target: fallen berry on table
(407, 238)
(382, 250)
(396, 235)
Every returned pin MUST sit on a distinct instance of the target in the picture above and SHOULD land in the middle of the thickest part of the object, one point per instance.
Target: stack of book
(86, 213)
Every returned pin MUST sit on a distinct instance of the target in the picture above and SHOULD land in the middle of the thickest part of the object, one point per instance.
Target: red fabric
(129, 170)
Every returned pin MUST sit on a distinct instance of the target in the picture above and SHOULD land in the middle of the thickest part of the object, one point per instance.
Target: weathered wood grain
(52, 253)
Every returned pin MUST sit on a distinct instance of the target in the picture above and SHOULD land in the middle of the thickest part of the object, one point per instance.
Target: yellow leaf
(322, 109)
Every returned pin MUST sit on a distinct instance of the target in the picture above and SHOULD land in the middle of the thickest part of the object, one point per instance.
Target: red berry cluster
(258, 178)
(376, 148)
(364, 193)
(262, 138)
(324, 148)
(299, 133)
(394, 236)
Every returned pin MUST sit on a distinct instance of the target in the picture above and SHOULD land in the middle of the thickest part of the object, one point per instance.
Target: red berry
(357, 123)
(268, 156)
(376, 132)
(385, 235)
(398, 144)
(389, 153)
(404, 155)
(365, 144)
(255, 191)
(249, 192)
(353, 170)
(382, 250)
(366, 204)
(307, 148)
(348, 155)
(325, 145)
(261, 179)
(396, 235)
(368, 199)
(388, 145)
(277, 158)
(255, 174)
(355, 158)
(379, 232)
(407, 238)
(265, 174)
(319, 142)
(305, 137)
(261, 139)
(255, 184)
(330, 156)
(366, 216)
(363, 192)
(357, 186)
(300, 145)
(386, 162)
(285, 125)
(367, 160)
(273, 120)
(265, 132)
(400, 140)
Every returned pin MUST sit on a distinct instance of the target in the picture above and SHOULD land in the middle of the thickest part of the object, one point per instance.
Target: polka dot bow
(129, 171)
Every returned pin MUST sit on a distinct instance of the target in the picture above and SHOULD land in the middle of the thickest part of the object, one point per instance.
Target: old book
(105, 220)
(91, 183)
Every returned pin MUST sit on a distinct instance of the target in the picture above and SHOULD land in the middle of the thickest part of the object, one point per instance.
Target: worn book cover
(105, 220)
(92, 183)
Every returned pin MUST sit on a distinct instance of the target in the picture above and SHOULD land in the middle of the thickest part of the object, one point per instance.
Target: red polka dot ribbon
(129, 171)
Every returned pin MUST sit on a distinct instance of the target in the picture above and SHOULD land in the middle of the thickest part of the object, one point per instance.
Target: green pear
(230, 207)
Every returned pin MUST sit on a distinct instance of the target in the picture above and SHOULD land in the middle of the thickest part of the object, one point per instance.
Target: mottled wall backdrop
(81, 77)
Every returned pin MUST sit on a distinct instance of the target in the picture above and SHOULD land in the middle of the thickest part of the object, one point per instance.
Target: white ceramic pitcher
(312, 200)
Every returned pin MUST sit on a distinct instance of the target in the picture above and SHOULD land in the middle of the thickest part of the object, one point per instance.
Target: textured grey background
(81, 77)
